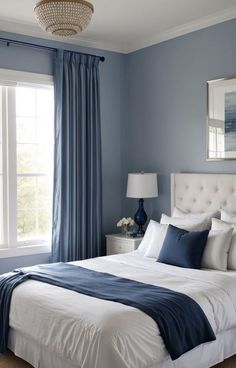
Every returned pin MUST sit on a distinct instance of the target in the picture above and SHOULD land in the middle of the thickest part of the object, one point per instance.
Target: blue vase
(140, 217)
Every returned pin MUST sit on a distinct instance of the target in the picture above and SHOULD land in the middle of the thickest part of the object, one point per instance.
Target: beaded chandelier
(63, 17)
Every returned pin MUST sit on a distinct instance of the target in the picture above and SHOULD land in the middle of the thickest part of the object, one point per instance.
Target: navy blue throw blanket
(181, 321)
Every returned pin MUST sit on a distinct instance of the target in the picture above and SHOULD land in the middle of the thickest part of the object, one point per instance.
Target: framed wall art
(221, 119)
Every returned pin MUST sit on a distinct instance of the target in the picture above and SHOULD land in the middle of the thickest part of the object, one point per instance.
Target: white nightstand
(118, 243)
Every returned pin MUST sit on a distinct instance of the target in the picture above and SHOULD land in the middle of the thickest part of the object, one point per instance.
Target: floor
(10, 361)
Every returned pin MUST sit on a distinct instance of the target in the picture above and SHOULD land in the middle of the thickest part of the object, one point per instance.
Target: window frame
(12, 78)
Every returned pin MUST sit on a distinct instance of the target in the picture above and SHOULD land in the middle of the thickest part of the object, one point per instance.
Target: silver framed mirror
(221, 119)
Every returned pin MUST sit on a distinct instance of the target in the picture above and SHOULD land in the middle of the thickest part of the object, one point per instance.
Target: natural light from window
(34, 135)
(26, 164)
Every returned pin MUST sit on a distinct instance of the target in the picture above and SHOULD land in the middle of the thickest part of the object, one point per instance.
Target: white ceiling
(126, 25)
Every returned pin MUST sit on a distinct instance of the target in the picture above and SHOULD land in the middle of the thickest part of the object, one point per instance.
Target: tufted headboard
(203, 192)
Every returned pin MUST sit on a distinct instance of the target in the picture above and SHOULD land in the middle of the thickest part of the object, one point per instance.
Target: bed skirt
(203, 356)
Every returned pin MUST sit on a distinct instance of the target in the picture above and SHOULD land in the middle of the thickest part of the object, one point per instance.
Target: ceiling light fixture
(63, 17)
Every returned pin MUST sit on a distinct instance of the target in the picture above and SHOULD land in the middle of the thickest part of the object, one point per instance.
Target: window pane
(34, 158)
(1, 212)
(25, 101)
(1, 172)
(33, 208)
(27, 158)
(45, 103)
(26, 130)
(34, 131)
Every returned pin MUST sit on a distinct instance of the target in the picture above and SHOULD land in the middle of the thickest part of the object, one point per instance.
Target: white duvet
(93, 333)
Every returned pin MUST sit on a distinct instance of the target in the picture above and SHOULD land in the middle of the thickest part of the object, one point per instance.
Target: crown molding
(186, 28)
(29, 29)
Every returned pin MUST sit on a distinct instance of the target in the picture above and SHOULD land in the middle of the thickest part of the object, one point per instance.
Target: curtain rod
(34, 45)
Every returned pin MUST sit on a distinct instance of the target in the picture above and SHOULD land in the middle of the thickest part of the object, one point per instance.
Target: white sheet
(94, 333)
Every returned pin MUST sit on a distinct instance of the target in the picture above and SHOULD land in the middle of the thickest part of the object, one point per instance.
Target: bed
(51, 327)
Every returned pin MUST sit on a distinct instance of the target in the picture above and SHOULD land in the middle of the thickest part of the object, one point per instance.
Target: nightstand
(118, 243)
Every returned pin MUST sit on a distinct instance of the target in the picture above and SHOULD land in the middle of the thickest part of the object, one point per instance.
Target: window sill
(24, 251)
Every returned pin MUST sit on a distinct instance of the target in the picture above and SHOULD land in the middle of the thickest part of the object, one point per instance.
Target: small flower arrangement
(125, 223)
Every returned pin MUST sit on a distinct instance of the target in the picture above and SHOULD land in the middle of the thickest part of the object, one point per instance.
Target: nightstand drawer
(119, 248)
(118, 243)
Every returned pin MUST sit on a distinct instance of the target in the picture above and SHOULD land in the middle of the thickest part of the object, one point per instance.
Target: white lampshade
(142, 185)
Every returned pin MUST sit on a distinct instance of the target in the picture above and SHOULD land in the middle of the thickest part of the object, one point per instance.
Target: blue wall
(9, 264)
(40, 61)
(153, 105)
(165, 125)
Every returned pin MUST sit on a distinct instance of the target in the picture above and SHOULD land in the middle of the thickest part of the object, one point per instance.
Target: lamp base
(140, 218)
(140, 231)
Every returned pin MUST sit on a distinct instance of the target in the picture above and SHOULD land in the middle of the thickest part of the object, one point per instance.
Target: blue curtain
(77, 198)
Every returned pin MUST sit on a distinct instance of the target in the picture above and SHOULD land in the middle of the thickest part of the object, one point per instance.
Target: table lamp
(141, 185)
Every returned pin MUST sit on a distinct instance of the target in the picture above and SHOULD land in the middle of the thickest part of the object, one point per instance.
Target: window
(26, 159)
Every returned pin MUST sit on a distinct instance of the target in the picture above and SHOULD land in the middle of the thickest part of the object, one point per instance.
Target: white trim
(5, 166)
(24, 251)
(7, 25)
(186, 28)
(11, 166)
(29, 29)
(11, 76)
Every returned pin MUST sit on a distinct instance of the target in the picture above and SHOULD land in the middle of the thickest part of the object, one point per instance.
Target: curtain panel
(77, 194)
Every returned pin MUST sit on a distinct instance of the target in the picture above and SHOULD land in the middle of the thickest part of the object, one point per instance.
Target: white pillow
(228, 217)
(215, 255)
(207, 216)
(146, 239)
(197, 224)
(158, 237)
(221, 225)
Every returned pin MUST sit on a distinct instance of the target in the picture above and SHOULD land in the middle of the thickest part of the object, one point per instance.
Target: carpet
(10, 361)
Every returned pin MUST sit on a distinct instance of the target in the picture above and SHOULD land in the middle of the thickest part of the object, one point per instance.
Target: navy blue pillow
(183, 248)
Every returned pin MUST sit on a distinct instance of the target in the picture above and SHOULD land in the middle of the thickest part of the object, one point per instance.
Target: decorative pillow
(215, 255)
(183, 248)
(147, 238)
(197, 223)
(207, 216)
(158, 236)
(222, 225)
(228, 217)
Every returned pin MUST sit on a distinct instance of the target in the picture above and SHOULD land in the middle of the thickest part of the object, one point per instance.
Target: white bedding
(93, 333)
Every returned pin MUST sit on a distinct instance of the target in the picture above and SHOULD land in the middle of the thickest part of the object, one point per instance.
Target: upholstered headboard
(203, 192)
